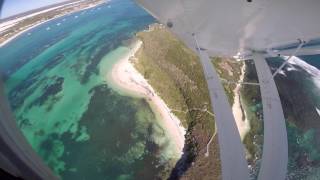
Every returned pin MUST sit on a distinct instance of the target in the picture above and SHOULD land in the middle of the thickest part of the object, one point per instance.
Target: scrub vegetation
(175, 72)
(230, 70)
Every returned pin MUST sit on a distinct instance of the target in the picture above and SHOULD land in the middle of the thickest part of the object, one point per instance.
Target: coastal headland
(125, 76)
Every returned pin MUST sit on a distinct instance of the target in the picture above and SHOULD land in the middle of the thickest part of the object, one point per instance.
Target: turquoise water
(313, 60)
(299, 94)
(56, 86)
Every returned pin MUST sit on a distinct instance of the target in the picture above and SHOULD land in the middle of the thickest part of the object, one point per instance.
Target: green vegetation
(230, 70)
(175, 73)
(251, 100)
(183, 88)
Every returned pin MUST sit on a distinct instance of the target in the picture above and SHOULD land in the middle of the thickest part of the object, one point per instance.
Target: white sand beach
(242, 122)
(127, 77)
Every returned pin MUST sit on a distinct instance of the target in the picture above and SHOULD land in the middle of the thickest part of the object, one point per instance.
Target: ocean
(298, 84)
(55, 80)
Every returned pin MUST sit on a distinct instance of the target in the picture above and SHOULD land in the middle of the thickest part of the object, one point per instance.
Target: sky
(13, 7)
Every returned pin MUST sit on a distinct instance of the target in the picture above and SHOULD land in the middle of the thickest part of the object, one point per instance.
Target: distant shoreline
(21, 32)
(37, 23)
(124, 75)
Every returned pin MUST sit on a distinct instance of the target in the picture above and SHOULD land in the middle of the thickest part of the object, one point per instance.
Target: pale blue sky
(13, 7)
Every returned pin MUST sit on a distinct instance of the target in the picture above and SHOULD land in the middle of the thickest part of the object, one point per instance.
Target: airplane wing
(228, 27)
(248, 29)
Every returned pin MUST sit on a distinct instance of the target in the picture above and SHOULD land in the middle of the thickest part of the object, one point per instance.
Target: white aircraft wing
(226, 27)
(247, 28)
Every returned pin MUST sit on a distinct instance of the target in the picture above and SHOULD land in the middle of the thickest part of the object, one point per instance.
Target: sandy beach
(242, 122)
(124, 75)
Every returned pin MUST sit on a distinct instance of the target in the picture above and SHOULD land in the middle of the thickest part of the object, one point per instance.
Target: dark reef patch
(97, 55)
(29, 84)
(109, 113)
(23, 58)
(49, 91)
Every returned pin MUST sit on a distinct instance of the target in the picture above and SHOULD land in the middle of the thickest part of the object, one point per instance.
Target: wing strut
(275, 143)
(232, 154)
(287, 60)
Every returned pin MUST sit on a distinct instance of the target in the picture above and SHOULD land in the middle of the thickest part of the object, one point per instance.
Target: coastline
(23, 31)
(34, 25)
(240, 116)
(126, 77)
